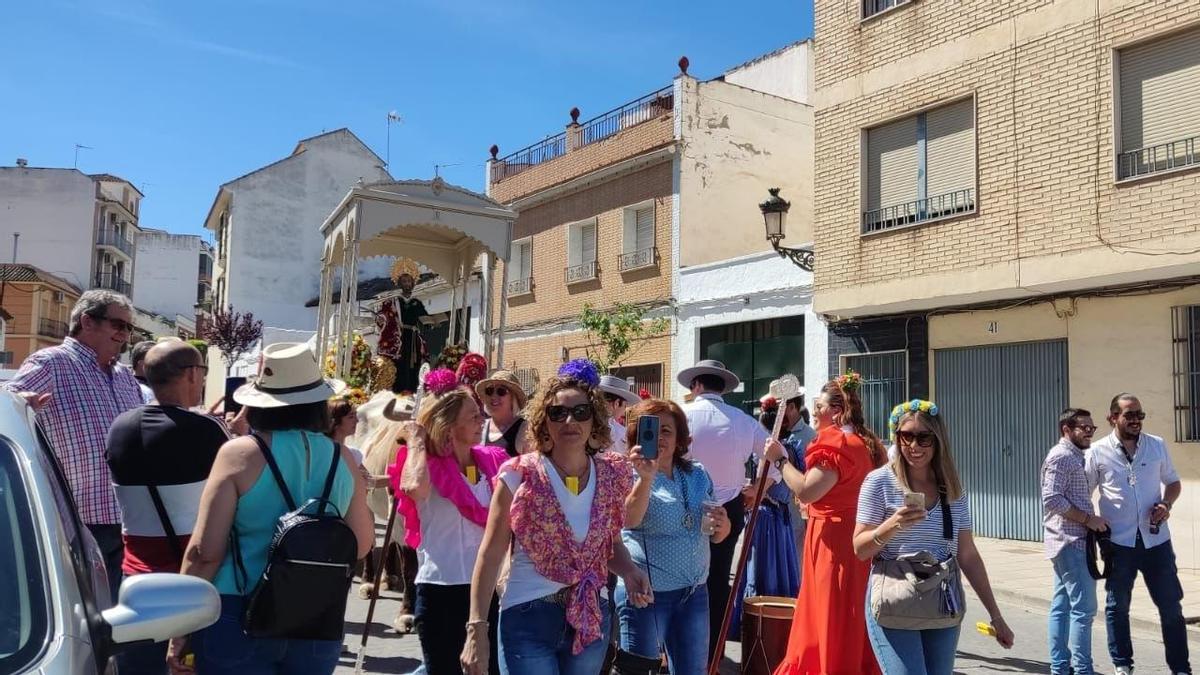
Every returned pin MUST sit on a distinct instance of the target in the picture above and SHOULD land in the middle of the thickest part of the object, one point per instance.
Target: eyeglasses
(923, 438)
(120, 325)
(1134, 415)
(579, 413)
(1086, 428)
(500, 392)
(201, 366)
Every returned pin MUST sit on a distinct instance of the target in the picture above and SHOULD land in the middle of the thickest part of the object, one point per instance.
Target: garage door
(1001, 404)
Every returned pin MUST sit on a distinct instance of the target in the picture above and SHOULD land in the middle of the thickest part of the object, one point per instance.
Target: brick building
(623, 207)
(1014, 224)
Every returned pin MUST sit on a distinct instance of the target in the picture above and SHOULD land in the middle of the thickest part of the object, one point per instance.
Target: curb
(1035, 602)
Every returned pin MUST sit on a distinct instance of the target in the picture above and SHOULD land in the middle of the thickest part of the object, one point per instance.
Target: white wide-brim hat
(611, 384)
(290, 375)
(708, 367)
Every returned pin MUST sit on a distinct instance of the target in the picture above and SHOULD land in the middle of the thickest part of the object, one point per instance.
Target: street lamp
(775, 211)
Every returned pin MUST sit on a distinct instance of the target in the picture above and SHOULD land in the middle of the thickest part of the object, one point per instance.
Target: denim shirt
(679, 555)
(796, 443)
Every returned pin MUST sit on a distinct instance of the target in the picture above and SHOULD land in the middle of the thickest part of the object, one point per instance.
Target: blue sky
(179, 97)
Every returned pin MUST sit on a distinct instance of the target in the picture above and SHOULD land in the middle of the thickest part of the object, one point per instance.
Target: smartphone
(647, 435)
(914, 499)
(231, 385)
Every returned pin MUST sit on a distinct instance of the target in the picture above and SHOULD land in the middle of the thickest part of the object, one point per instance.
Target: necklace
(689, 522)
(573, 482)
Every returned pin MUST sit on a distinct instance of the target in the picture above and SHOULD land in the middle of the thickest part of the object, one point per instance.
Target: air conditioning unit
(59, 296)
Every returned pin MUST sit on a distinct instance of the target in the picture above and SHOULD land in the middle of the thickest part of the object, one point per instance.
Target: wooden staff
(387, 538)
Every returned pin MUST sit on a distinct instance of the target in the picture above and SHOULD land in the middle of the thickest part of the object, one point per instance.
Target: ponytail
(843, 393)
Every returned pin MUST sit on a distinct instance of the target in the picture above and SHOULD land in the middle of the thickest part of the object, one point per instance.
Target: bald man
(160, 455)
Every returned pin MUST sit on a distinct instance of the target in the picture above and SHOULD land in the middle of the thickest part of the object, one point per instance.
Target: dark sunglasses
(579, 413)
(496, 391)
(923, 439)
(1131, 416)
(120, 325)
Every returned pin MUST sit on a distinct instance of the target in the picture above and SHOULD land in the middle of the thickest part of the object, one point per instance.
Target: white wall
(54, 210)
(786, 73)
(167, 272)
(275, 220)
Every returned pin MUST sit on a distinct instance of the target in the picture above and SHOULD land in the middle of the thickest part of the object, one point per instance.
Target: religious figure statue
(399, 320)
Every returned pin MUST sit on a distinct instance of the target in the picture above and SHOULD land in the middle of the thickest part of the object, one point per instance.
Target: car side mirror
(157, 607)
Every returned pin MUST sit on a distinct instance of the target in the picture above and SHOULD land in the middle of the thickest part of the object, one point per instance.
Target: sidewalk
(1020, 573)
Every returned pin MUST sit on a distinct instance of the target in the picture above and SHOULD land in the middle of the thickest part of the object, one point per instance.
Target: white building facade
(173, 274)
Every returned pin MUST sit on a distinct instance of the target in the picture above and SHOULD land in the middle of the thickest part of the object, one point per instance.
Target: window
(647, 377)
(24, 625)
(1159, 105)
(873, 7)
(920, 168)
(1185, 323)
(884, 384)
(581, 255)
(520, 277)
(637, 247)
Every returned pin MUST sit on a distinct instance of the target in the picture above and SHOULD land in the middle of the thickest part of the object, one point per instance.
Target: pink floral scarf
(541, 527)
(449, 483)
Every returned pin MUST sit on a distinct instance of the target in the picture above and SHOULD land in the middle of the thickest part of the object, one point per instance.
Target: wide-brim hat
(506, 379)
(708, 367)
(290, 375)
(401, 408)
(611, 384)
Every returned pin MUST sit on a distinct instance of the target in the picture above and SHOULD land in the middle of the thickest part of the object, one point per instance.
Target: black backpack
(302, 591)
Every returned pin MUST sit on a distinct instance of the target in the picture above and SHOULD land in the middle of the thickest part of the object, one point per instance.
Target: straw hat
(290, 376)
(506, 379)
(611, 384)
(708, 367)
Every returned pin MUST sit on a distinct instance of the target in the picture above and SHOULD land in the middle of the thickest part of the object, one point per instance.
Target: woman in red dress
(829, 631)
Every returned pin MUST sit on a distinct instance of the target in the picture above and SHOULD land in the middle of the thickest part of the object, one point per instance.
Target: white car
(55, 612)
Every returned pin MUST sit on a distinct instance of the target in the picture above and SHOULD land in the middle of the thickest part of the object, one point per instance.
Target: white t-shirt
(524, 582)
(618, 436)
(449, 542)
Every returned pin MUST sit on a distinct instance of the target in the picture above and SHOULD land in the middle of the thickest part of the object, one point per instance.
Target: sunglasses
(1086, 428)
(496, 391)
(120, 325)
(1131, 416)
(923, 439)
(579, 413)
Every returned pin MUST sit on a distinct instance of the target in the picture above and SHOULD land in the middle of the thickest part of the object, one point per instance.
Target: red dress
(829, 629)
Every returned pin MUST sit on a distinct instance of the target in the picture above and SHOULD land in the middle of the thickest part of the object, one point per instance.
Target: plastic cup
(708, 525)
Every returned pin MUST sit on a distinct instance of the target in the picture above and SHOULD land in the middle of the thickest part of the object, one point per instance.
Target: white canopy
(443, 227)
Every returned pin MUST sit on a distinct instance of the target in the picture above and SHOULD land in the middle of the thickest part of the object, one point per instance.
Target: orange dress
(829, 629)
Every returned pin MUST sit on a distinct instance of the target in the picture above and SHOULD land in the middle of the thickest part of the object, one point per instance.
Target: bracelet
(477, 622)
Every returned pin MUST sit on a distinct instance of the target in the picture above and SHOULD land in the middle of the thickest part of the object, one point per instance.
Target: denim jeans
(912, 652)
(535, 639)
(223, 648)
(1072, 609)
(677, 620)
(1157, 565)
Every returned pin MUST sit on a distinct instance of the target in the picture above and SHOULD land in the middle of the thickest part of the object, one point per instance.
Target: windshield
(22, 632)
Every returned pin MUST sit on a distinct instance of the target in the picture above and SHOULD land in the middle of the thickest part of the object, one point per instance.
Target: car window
(23, 621)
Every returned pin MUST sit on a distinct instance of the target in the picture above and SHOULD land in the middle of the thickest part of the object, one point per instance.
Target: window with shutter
(1159, 105)
(892, 164)
(587, 237)
(526, 259)
(644, 236)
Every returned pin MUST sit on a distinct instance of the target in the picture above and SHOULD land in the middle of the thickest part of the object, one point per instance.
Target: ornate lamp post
(775, 211)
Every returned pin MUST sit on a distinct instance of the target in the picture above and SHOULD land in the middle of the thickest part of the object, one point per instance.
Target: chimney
(22, 162)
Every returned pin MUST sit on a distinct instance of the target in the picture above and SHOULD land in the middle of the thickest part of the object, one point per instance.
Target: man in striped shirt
(1067, 517)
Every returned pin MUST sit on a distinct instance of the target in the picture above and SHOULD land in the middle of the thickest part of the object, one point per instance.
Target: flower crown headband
(850, 382)
(440, 381)
(582, 370)
(916, 405)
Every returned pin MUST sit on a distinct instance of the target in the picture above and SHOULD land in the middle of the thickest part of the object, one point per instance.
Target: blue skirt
(773, 567)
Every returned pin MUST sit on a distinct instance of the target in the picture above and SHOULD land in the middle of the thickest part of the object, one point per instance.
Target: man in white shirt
(1138, 485)
(618, 394)
(723, 439)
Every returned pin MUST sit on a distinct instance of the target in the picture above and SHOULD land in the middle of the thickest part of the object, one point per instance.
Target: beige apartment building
(1013, 224)
(624, 206)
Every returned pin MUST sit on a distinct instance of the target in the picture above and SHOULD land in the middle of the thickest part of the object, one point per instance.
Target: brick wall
(1044, 135)
(544, 353)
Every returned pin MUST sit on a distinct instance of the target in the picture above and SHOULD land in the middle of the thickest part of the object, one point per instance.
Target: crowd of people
(549, 537)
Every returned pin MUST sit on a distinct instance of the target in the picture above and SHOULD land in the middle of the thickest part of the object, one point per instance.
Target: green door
(757, 352)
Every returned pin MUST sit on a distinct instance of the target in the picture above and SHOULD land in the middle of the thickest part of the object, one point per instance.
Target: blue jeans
(912, 652)
(223, 648)
(677, 619)
(535, 639)
(1157, 565)
(1072, 609)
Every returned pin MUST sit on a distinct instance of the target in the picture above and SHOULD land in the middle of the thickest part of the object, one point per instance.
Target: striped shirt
(84, 401)
(882, 495)
(1064, 486)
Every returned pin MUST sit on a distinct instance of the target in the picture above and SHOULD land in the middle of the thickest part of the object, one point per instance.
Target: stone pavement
(1021, 574)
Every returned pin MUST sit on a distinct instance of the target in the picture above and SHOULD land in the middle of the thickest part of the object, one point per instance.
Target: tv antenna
(392, 116)
(79, 147)
(437, 168)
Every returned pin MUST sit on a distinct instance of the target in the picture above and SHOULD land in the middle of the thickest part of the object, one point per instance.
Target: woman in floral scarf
(562, 508)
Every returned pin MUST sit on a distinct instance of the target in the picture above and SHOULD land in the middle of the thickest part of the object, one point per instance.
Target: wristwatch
(780, 462)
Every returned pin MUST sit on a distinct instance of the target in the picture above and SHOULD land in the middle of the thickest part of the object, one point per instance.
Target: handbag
(917, 591)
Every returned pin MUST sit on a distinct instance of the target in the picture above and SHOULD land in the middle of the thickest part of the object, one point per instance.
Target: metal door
(884, 385)
(1001, 405)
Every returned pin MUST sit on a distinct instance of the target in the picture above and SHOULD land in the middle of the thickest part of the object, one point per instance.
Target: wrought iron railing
(520, 286)
(643, 257)
(52, 328)
(551, 148)
(919, 210)
(111, 236)
(113, 282)
(1158, 158)
(873, 7)
(584, 272)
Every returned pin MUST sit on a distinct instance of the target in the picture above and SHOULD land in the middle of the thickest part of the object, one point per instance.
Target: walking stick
(387, 538)
(783, 389)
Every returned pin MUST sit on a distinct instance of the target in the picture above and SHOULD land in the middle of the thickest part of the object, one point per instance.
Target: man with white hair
(78, 389)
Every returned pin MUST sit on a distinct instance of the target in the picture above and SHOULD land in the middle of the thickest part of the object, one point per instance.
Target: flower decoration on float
(360, 374)
(916, 405)
(850, 382)
(582, 370)
(643, 393)
(472, 368)
(440, 380)
(353, 395)
(450, 356)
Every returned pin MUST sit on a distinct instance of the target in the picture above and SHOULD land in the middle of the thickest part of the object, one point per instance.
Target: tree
(200, 345)
(615, 330)
(233, 334)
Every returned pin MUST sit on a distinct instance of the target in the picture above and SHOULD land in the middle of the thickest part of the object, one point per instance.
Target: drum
(766, 624)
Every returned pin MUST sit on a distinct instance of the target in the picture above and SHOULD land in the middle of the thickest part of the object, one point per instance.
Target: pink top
(449, 483)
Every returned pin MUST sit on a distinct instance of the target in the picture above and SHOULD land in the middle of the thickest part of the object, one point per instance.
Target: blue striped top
(882, 495)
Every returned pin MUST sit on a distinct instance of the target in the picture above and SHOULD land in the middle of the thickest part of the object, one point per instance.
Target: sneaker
(1123, 670)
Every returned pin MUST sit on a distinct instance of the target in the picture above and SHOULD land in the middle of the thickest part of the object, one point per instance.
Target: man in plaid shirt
(78, 389)
(1067, 517)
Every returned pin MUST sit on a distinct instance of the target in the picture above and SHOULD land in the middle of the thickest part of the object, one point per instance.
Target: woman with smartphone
(906, 510)
(670, 519)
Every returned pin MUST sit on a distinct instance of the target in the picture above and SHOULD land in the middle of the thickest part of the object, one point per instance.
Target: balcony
(112, 238)
(52, 328)
(112, 282)
(518, 287)
(636, 260)
(585, 272)
(919, 211)
(1158, 158)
